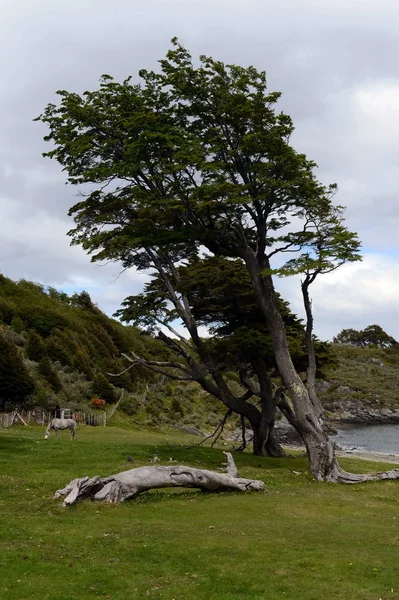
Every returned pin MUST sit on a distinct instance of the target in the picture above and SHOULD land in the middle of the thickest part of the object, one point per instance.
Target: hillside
(364, 385)
(67, 345)
(59, 349)
(56, 349)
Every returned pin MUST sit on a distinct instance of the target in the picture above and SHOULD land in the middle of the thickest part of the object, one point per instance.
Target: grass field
(298, 540)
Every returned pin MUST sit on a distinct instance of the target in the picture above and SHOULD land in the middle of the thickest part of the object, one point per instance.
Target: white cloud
(356, 295)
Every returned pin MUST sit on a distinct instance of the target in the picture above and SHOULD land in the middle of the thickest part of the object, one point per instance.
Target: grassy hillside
(67, 346)
(298, 539)
(363, 376)
(79, 342)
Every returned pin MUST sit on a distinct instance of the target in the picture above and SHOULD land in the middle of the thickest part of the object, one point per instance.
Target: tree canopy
(373, 335)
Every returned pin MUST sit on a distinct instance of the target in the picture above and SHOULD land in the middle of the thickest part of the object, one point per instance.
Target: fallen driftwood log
(128, 484)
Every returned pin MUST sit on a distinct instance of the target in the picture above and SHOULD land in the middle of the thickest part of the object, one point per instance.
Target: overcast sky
(336, 63)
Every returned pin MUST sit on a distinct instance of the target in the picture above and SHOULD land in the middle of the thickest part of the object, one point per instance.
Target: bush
(176, 406)
(17, 324)
(12, 336)
(76, 390)
(103, 388)
(35, 348)
(46, 370)
(129, 404)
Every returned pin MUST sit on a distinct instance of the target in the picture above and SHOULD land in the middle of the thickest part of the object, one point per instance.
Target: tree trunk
(128, 484)
(273, 447)
(264, 441)
(322, 461)
(311, 371)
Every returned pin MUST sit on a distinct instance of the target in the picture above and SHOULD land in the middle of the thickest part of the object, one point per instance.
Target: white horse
(58, 424)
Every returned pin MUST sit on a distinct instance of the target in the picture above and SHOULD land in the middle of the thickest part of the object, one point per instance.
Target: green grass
(298, 540)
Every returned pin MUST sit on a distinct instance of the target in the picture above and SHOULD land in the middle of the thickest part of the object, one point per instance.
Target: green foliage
(103, 389)
(366, 376)
(199, 153)
(35, 348)
(194, 156)
(176, 406)
(373, 335)
(17, 324)
(15, 382)
(78, 336)
(129, 404)
(7, 311)
(56, 350)
(46, 370)
(77, 391)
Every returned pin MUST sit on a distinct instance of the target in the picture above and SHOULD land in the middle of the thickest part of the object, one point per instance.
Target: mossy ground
(297, 540)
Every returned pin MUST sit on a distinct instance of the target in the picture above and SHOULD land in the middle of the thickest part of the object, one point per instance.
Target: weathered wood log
(128, 484)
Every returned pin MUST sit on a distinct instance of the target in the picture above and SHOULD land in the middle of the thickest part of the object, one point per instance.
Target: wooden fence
(41, 417)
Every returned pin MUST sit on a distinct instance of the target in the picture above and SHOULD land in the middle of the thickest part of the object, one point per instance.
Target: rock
(377, 361)
(190, 430)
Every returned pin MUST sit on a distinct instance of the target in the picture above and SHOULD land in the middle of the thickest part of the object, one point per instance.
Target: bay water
(369, 438)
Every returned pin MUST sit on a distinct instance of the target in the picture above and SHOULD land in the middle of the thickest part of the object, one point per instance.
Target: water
(370, 438)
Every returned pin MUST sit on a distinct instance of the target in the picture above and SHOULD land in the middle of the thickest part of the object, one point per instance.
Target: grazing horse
(58, 424)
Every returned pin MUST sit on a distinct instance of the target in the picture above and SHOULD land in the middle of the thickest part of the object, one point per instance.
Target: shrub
(103, 388)
(46, 370)
(17, 324)
(35, 348)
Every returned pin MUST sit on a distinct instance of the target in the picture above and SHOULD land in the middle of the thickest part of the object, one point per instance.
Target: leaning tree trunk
(322, 461)
(311, 371)
(128, 484)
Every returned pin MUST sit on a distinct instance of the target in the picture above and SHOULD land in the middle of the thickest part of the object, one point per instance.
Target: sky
(335, 62)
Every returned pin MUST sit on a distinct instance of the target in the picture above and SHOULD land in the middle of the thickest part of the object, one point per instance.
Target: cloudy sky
(335, 62)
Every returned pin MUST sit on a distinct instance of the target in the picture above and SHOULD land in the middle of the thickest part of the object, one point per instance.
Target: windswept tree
(194, 156)
(218, 294)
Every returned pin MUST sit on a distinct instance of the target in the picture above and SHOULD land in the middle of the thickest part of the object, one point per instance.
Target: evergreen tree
(35, 348)
(47, 371)
(103, 389)
(15, 381)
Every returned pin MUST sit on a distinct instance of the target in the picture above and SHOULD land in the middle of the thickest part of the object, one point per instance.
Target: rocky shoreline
(352, 413)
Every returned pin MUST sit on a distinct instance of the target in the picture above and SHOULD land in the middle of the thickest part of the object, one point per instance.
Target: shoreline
(361, 454)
